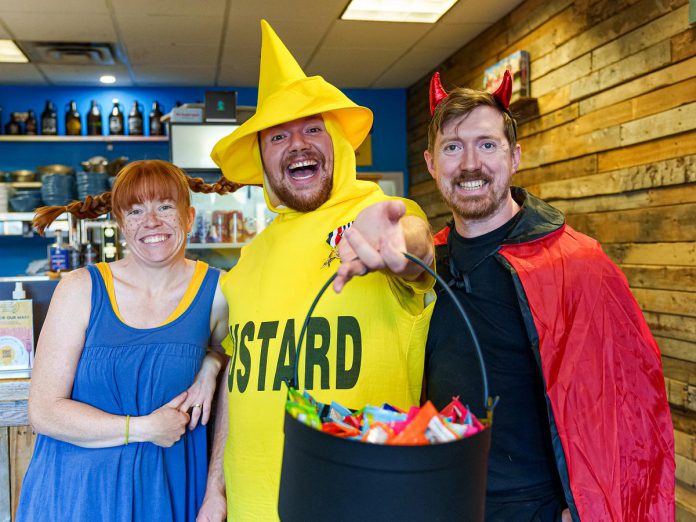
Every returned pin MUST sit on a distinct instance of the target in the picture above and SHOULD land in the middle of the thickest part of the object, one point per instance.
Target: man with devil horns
(583, 428)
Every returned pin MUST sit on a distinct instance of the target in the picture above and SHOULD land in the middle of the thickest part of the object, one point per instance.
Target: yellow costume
(365, 345)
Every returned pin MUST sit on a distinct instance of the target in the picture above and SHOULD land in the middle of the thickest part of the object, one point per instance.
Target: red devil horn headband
(502, 94)
(437, 93)
(504, 91)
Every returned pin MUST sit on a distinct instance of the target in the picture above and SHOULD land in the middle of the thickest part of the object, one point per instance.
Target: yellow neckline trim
(199, 272)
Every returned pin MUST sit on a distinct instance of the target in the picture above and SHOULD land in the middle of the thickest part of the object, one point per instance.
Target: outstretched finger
(348, 271)
(364, 251)
(393, 257)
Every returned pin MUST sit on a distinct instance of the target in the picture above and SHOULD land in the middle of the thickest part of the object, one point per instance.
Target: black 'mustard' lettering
(347, 377)
(286, 356)
(317, 354)
(244, 356)
(267, 331)
(233, 358)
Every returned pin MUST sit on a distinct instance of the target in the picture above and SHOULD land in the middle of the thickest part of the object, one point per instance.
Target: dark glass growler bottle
(156, 127)
(116, 119)
(73, 124)
(30, 124)
(13, 127)
(135, 120)
(49, 120)
(94, 120)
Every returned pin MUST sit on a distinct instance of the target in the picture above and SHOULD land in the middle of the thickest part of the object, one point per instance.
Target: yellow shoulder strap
(105, 272)
(196, 281)
(199, 272)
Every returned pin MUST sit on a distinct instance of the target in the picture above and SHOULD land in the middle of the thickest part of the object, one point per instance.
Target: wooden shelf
(22, 184)
(97, 139)
(23, 216)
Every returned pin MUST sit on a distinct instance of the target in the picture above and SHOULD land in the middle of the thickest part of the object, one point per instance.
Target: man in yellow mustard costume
(364, 344)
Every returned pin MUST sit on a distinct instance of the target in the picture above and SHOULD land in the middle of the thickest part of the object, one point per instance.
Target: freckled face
(155, 231)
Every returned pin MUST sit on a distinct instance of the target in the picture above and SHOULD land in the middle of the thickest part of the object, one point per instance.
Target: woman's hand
(200, 394)
(164, 426)
(214, 508)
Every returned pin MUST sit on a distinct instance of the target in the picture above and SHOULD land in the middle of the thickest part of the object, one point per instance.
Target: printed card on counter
(16, 338)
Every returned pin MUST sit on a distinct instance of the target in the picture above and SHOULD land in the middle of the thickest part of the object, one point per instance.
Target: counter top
(14, 279)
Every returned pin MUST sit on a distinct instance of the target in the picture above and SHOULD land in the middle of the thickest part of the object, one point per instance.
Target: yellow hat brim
(238, 154)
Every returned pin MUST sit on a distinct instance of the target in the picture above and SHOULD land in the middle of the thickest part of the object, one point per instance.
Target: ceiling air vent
(70, 53)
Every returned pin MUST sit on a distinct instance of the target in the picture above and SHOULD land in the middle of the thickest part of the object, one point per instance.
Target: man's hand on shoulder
(377, 240)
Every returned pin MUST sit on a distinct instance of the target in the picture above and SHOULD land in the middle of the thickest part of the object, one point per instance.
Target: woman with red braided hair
(127, 363)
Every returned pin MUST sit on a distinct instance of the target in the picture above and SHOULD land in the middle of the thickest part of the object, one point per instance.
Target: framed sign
(518, 64)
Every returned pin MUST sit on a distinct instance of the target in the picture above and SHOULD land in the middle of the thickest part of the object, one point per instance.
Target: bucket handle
(488, 402)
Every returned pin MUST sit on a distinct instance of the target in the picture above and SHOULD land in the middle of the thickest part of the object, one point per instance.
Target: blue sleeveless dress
(127, 371)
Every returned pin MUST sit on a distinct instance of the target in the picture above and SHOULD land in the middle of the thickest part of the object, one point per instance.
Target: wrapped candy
(386, 424)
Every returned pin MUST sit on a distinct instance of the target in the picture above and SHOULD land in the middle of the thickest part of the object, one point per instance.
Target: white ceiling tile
(477, 11)
(20, 73)
(171, 75)
(423, 59)
(375, 35)
(451, 36)
(351, 67)
(176, 42)
(242, 67)
(142, 30)
(54, 6)
(238, 77)
(85, 74)
(60, 27)
(180, 55)
(170, 7)
(275, 11)
(396, 79)
(246, 38)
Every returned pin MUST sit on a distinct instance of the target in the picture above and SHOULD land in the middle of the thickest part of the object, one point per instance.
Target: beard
(303, 199)
(473, 207)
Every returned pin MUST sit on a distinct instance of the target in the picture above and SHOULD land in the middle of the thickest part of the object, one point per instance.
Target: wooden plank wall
(614, 147)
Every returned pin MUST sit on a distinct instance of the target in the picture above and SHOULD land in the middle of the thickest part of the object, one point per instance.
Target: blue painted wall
(388, 135)
(16, 252)
(389, 149)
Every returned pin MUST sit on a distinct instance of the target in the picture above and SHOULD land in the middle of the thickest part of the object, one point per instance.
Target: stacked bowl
(25, 200)
(58, 189)
(91, 183)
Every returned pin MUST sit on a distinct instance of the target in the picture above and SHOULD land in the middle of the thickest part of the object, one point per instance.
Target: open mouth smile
(471, 185)
(159, 238)
(302, 170)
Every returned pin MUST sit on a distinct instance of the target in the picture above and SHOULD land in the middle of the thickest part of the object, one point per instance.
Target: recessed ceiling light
(10, 53)
(421, 11)
(107, 78)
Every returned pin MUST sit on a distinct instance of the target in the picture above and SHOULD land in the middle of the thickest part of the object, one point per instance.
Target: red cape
(610, 420)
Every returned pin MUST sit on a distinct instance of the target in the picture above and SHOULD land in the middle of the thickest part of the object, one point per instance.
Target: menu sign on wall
(16, 338)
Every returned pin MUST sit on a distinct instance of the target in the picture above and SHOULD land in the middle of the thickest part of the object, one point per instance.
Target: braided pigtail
(90, 208)
(221, 186)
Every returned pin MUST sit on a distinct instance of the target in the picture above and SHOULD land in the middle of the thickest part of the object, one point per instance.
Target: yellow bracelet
(127, 427)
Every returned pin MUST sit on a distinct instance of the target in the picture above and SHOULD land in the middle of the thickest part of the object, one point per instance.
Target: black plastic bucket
(325, 477)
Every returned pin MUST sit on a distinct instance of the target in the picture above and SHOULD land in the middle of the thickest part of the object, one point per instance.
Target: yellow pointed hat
(285, 94)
